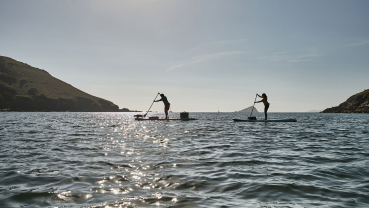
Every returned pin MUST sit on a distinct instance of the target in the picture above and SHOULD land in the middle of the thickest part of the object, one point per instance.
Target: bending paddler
(266, 104)
(166, 104)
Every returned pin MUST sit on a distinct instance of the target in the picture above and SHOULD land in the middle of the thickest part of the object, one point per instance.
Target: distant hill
(25, 88)
(314, 111)
(248, 109)
(358, 103)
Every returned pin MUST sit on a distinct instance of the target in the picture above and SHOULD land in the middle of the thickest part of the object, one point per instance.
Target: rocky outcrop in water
(358, 103)
(25, 88)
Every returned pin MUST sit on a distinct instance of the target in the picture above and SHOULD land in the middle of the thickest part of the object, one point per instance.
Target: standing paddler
(166, 104)
(266, 104)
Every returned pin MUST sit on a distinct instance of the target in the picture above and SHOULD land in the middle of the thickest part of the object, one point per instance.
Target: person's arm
(259, 95)
(158, 100)
(262, 100)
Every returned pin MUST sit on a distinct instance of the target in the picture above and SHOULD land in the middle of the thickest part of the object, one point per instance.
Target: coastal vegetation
(26, 88)
(358, 103)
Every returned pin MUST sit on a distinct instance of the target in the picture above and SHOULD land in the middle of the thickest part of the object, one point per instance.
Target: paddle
(253, 118)
(151, 104)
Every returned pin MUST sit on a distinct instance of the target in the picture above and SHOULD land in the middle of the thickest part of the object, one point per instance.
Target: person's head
(162, 95)
(264, 95)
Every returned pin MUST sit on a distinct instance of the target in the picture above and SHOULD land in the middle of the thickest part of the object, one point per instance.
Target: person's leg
(265, 111)
(166, 109)
(166, 112)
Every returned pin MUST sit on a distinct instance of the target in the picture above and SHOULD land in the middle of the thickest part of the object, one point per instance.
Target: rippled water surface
(110, 160)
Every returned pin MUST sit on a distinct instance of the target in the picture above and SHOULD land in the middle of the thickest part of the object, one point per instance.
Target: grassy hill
(358, 103)
(25, 88)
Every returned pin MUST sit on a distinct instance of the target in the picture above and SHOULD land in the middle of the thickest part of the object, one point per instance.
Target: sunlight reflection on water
(110, 160)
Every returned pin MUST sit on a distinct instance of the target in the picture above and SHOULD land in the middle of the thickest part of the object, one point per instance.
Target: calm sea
(109, 160)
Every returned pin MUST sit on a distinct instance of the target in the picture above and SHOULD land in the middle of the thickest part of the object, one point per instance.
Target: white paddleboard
(171, 119)
(269, 120)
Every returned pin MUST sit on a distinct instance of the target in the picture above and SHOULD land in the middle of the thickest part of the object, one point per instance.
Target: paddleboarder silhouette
(266, 104)
(166, 104)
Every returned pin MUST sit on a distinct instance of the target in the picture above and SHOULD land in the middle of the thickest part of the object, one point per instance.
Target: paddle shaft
(253, 105)
(151, 104)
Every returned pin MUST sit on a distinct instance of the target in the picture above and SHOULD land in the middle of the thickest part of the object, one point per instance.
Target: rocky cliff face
(358, 103)
(25, 88)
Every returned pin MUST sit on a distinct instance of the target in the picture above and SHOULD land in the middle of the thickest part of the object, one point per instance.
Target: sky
(203, 55)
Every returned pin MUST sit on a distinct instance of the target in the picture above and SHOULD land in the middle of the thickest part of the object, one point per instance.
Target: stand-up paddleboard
(269, 120)
(170, 119)
(183, 117)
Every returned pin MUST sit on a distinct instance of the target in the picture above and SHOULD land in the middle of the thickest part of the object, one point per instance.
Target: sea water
(110, 160)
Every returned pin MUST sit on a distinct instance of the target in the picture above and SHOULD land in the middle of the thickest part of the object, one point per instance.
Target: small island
(127, 110)
(248, 110)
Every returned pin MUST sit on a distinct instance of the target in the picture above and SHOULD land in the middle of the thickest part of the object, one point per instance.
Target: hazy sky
(202, 54)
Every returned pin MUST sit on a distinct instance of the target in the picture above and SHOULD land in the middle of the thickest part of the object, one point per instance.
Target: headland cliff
(358, 103)
(26, 88)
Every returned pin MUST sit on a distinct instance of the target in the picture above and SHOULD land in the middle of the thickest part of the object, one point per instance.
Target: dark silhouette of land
(127, 110)
(358, 103)
(26, 88)
(248, 109)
